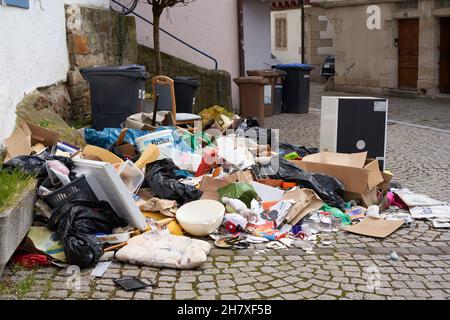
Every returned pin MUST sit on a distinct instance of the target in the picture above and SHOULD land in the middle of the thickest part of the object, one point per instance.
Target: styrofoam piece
(107, 185)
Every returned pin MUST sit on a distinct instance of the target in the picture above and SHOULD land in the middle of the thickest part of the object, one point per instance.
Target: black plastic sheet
(77, 223)
(163, 180)
(328, 188)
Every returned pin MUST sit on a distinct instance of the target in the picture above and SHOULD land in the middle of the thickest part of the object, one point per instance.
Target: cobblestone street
(352, 267)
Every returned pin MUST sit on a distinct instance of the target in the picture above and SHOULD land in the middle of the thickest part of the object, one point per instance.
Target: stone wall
(215, 85)
(319, 42)
(95, 37)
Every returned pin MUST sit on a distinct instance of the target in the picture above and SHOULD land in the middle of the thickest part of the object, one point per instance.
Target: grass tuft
(12, 183)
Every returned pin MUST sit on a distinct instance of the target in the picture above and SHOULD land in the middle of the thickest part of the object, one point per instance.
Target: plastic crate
(78, 189)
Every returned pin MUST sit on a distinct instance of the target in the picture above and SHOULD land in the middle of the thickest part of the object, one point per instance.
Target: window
(443, 4)
(409, 5)
(18, 3)
(281, 33)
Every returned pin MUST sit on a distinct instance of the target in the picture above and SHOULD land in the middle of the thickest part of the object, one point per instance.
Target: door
(408, 53)
(444, 60)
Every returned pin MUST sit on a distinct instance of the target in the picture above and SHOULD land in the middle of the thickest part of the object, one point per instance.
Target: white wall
(294, 36)
(210, 26)
(257, 43)
(33, 52)
(89, 3)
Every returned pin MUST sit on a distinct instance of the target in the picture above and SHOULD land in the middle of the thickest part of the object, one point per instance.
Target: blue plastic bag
(108, 136)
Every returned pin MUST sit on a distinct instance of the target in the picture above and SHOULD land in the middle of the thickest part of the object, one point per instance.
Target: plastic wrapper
(77, 222)
(162, 179)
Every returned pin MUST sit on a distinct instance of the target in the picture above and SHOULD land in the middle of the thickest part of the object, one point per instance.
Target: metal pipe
(303, 31)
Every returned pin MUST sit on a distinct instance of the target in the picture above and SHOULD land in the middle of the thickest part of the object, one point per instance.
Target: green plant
(24, 286)
(11, 185)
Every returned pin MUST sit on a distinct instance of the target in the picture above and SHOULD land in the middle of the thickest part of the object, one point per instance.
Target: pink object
(395, 200)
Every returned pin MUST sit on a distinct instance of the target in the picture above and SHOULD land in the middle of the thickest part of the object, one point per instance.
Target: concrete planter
(15, 223)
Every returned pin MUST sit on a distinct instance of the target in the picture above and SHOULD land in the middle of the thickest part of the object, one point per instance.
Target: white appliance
(355, 124)
(108, 186)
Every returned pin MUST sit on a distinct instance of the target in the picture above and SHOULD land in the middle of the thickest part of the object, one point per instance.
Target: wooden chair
(163, 88)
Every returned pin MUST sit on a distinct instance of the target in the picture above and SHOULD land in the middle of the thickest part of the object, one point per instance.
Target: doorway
(408, 53)
(444, 56)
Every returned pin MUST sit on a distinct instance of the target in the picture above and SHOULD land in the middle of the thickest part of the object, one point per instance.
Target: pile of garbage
(164, 197)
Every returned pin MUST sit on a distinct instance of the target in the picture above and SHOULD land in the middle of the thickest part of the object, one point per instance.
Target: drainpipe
(303, 31)
(240, 12)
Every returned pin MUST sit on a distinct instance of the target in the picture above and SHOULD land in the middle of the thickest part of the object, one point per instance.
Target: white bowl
(201, 217)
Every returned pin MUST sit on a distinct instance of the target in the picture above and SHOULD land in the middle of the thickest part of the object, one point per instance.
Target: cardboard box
(22, 140)
(359, 175)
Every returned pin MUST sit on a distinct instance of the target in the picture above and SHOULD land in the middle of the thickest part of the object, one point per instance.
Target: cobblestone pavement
(433, 113)
(352, 267)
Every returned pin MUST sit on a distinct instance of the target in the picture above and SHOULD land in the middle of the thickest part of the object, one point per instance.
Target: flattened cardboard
(209, 186)
(356, 178)
(306, 201)
(377, 228)
(22, 140)
(239, 176)
(267, 193)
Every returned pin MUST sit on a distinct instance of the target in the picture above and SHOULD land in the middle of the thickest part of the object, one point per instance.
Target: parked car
(327, 70)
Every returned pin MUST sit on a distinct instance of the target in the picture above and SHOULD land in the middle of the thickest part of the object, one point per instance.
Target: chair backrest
(164, 87)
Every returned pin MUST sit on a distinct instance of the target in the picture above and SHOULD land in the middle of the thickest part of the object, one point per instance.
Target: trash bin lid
(186, 80)
(295, 66)
(263, 73)
(129, 70)
(250, 79)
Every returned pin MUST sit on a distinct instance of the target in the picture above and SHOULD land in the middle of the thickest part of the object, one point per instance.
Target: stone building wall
(367, 59)
(95, 37)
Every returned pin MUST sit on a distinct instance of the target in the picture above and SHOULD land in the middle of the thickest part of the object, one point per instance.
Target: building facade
(33, 52)
(235, 32)
(286, 34)
(395, 45)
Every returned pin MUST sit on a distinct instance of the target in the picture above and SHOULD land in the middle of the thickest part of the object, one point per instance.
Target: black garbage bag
(302, 151)
(35, 165)
(29, 165)
(162, 179)
(118, 152)
(328, 188)
(77, 222)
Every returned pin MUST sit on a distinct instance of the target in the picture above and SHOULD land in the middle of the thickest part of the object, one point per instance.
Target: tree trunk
(156, 44)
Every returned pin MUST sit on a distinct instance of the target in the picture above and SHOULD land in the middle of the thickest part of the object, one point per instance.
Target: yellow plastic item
(173, 227)
(99, 154)
(149, 155)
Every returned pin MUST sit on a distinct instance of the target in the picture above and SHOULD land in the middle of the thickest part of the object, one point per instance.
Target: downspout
(303, 31)
(240, 13)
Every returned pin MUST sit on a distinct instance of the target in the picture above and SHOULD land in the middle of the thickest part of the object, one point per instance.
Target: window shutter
(18, 3)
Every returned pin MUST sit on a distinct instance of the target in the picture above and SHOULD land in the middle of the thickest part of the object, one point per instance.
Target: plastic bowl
(202, 217)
